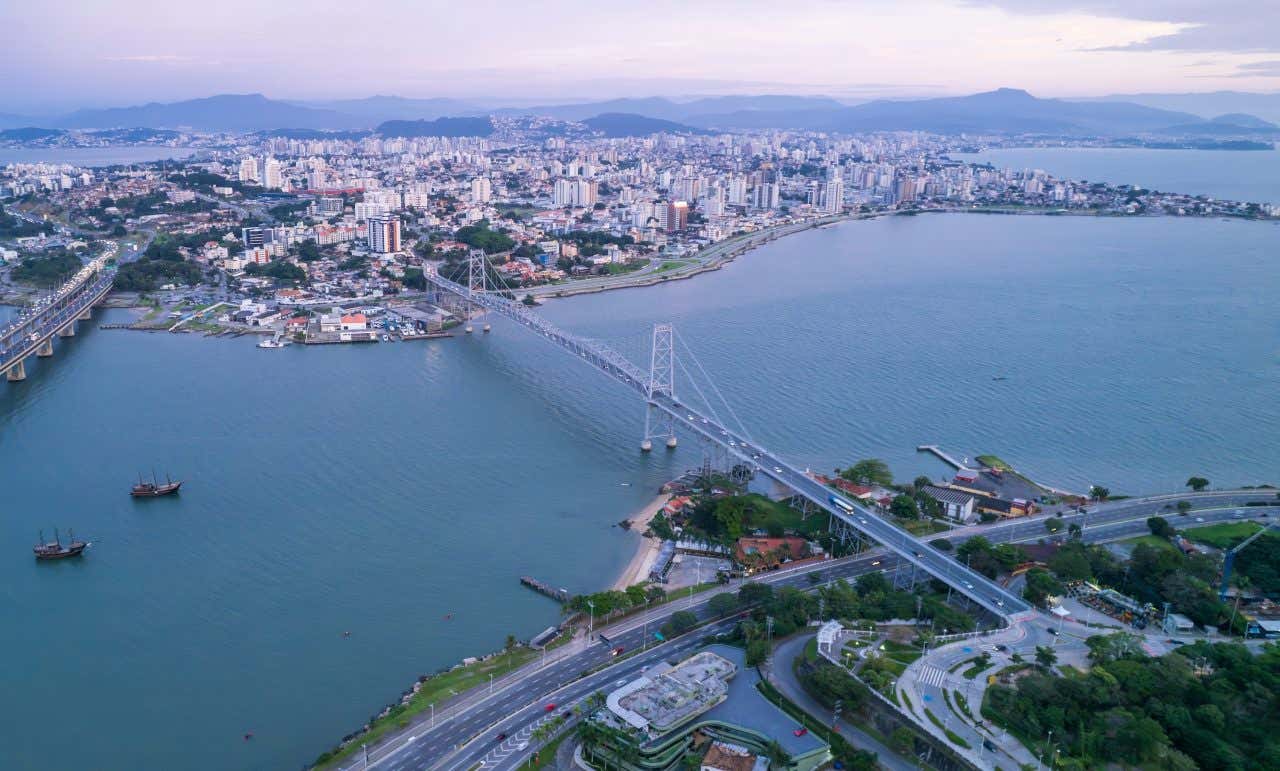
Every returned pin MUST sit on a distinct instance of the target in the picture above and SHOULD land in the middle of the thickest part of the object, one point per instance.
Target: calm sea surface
(378, 488)
(92, 156)
(1236, 175)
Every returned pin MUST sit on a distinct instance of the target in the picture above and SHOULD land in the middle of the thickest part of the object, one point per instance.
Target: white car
(777, 469)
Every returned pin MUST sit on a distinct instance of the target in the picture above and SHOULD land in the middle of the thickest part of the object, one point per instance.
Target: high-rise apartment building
(272, 175)
(384, 234)
(481, 190)
(677, 216)
(574, 192)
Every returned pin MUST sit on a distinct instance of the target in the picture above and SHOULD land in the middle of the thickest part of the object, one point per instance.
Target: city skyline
(68, 55)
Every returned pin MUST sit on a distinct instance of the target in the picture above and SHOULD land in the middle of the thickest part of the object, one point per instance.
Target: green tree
(1053, 524)
(681, 622)
(722, 604)
(902, 740)
(1197, 483)
(757, 652)
(1046, 657)
(1183, 507)
(904, 507)
(1099, 493)
(1160, 526)
(869, 471)
(755, 593)
(1040, 585)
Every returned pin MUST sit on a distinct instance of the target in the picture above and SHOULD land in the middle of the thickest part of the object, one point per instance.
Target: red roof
(354, 318)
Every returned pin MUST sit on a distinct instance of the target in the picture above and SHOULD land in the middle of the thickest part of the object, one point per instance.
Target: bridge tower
(477, 282)
(662, 380)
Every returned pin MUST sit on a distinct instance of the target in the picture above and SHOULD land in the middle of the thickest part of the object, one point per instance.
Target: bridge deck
(54, 312)
(975, 586)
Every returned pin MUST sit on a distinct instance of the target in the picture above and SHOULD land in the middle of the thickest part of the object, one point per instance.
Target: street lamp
(591, 619)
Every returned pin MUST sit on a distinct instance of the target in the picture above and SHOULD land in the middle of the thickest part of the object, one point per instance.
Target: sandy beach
(641, 563)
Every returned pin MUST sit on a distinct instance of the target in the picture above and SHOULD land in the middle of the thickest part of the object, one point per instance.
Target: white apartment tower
(273, 179)
(384, 234)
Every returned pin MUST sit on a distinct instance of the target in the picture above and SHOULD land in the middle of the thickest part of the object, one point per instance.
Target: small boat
(56, 549)
(154, 488)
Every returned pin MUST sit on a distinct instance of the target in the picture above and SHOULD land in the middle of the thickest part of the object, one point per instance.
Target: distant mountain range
(629, 124)
(683, 112)
(1265, 106)
(377, 109)
(226, 112)
(1004, 110)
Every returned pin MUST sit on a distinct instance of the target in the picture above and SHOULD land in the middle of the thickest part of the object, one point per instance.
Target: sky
(63, 54)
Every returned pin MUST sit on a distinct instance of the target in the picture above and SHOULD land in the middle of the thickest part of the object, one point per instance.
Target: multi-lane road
(463, 737)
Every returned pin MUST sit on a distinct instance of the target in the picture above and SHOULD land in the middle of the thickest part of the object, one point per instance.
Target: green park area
(1223, 535)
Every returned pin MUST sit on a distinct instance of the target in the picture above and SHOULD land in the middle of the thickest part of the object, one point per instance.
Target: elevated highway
(33, 330)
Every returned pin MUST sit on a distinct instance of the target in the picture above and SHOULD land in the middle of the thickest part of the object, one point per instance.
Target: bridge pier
(46, 349)
(69, 330)
(17, 372)
(85, 314)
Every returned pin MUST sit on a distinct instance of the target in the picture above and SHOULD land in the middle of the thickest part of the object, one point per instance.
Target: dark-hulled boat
(56, 549)
(155, 488)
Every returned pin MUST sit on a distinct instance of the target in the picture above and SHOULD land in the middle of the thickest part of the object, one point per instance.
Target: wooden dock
(559, 595)
(945, 458)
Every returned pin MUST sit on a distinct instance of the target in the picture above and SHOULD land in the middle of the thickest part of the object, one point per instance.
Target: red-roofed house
(354, 322)
(768, 553)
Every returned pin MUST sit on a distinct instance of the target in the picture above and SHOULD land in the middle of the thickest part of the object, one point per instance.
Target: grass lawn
(765, 511)
(993, 461)
(1223, 535)
(671, 265)
(811, 650)
(921, 527)
(433, 691)
(1151, 540)
(975, 670)
(894, 666)
(893, 646)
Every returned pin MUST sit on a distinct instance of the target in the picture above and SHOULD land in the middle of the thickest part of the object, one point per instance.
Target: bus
(842, 503)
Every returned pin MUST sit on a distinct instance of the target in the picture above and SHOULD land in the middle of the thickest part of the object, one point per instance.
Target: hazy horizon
(72, 54)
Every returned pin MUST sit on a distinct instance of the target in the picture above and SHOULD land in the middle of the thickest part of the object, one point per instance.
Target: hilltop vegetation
(47, 270)
(1202, 706)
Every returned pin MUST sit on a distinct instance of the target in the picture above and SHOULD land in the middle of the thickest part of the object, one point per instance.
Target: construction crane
(1229, 558)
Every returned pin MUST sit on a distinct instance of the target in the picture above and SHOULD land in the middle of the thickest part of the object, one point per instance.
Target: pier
(945, 458)
(559, 595)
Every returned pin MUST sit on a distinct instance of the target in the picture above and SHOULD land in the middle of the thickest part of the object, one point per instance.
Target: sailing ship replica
(56, 549)
(155, 487)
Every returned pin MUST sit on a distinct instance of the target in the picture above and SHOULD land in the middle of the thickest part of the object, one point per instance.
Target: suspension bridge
(664, 411)
(56, 313)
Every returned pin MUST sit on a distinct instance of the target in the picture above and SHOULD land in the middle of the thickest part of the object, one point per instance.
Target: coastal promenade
(712, 258)
(464, 730)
